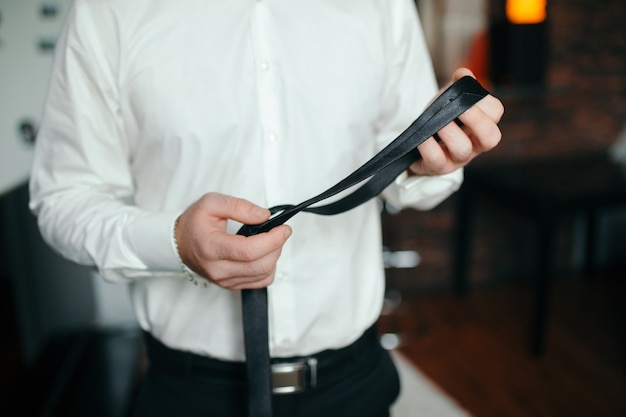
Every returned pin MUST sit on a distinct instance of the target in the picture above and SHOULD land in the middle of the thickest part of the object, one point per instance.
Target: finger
(483, 131)
(254, 284)
(433, 158)
(491, 107)
(456, 143)
(255, 281)
(237, 275)
(251, 248)
(489, 104)
(228, 274)
(238, 209)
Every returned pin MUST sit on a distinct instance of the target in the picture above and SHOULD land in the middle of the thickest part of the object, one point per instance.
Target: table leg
(590, 234)
(545, 248)
(462, 241)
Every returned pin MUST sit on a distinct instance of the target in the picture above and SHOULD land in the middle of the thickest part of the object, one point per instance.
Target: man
(169, 124)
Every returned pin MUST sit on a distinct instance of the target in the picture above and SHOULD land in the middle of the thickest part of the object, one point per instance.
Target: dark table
(543, 189)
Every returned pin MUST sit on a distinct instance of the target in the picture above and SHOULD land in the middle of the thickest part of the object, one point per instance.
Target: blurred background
(509, 296)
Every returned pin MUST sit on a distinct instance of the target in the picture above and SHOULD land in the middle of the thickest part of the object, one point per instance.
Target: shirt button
(271, 137)
(280, 276)
(265, 65)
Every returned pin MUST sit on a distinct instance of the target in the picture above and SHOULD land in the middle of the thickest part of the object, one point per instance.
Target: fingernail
(287, 232)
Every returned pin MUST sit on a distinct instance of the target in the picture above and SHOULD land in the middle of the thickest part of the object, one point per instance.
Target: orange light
(526, 11)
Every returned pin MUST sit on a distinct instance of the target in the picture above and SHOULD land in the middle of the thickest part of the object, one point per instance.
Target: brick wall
(583, 107)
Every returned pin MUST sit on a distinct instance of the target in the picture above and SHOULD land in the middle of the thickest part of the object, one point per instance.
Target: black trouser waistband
(330, 364)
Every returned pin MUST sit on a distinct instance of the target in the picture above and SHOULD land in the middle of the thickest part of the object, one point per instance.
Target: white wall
(25, 31)
(51, 294)
(450, 26)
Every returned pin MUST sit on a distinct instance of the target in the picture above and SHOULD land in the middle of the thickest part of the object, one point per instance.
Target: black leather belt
(381, 170)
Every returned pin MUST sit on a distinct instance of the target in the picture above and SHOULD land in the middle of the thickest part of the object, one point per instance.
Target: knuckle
(206, 251)
(492, 138)
(496, 108)
(216, 201)
(217, 274)
(500, 111)
(435, 162)
(265, 282)
(234, 204)
(244, 253)
(208, 198)
(260, 268)
(463, 151)
(472, 116)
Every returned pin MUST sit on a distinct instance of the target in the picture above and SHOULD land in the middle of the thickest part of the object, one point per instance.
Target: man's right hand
(231, 261)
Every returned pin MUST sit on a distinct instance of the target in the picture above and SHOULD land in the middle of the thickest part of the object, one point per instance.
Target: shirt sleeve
(410, 86)
(81, 183)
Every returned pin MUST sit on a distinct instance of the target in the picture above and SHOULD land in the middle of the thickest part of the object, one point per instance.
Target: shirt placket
(281, 301)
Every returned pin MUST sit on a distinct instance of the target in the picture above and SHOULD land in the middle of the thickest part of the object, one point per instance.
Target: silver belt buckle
(290, 377)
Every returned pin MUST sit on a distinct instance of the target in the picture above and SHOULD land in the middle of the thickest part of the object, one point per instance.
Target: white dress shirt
(153, 103)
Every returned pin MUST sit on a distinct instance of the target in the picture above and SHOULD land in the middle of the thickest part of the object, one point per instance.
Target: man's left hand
(460, 144)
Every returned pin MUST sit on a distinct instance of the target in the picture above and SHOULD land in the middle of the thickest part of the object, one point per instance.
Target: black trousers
(360, 380)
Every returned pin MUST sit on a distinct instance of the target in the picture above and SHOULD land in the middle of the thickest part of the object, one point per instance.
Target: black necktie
(381, 170)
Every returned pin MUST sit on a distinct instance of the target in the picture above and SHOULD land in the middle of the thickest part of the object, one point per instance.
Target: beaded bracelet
(189, 275)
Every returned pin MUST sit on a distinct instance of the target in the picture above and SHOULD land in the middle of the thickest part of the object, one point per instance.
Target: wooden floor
(476, 348)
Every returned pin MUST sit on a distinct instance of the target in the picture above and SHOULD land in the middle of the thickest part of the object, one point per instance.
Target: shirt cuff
(422, 192)
(152, 239)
